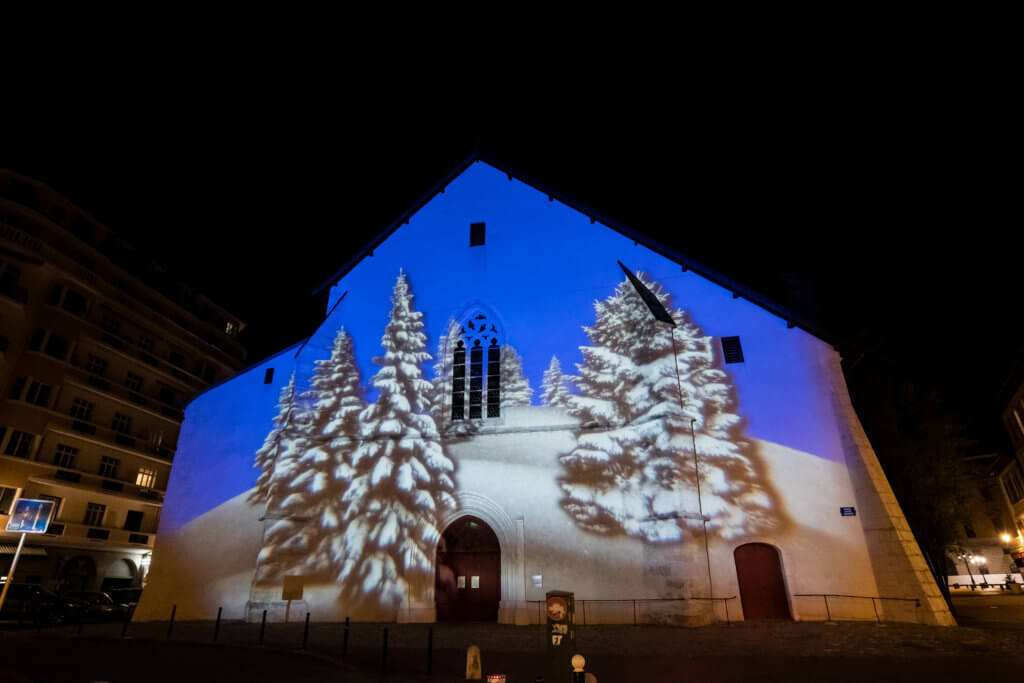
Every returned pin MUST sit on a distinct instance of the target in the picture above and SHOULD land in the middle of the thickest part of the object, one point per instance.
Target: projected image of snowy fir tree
(401, 480)
(632, 468)
(316, 433)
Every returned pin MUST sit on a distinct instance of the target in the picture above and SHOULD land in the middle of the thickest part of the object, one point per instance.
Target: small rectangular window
(133, 382)
(477, 234)
(38, 394)
(146, 478)
(96, 365)
(108, 467)
(74, 303)
(732, 350)
(133, 520)
(268, 376)
(56, 503)
(81, 409)
(121, 423)
(20, 444)
(56, 346)
(65, 456)
(7, 495)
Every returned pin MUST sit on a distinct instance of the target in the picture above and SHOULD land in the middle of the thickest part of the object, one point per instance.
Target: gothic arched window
(481, 338)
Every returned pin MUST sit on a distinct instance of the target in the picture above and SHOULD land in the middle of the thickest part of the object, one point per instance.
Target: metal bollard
(344, 641)
(578, 675)
(430, 650)
(305, 634)
(263, 626)
(127, 620)
(216, 627)
(170, 624)
(384, 652)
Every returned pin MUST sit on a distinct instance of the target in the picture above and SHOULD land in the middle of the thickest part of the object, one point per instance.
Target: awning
(25, 550)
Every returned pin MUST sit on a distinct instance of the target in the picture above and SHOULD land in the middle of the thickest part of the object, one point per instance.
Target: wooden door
(762, 588)
(468, 583)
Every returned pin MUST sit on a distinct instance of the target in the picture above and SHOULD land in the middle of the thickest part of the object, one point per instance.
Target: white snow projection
(402, 481)
(553, 391)
(515, 389)
(632, 469)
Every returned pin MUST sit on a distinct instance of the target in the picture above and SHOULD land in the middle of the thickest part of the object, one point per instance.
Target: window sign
(474, 582)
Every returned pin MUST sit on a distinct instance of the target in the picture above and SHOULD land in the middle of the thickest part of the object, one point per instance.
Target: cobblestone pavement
(766, 651)
(989, 609)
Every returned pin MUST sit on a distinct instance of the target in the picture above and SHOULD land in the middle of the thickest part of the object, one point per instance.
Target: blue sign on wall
(848, 512)
(30, 516)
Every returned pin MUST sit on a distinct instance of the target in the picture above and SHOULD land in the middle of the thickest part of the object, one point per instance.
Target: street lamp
(1005, 537)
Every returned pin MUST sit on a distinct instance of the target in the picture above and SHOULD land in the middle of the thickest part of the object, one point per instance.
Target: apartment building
(100, 350)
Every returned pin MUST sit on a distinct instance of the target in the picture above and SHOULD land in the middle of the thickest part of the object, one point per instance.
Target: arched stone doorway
(762, 588)
(468, 576)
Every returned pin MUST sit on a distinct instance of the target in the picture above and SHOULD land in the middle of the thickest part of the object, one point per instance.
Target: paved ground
(790, 652)
(990, 609)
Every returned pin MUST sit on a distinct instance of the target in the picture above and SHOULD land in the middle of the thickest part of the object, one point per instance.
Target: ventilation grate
(732, 350)
(477, 234)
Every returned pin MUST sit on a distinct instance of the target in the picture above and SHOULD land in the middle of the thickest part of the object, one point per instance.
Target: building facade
(99, 353)
(1012, 476)
(491, 410)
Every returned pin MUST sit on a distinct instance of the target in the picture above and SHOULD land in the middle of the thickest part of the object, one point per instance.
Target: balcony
(63, 532)
(136, 444)
(94, 484)
(122, 393)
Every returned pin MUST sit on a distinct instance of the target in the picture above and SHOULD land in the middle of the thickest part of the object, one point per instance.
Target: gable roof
(738, 289)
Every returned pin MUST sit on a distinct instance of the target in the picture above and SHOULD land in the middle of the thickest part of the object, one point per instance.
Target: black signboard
(848, 512)
(561, 635)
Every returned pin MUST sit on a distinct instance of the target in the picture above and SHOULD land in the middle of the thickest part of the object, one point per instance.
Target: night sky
(881, 212)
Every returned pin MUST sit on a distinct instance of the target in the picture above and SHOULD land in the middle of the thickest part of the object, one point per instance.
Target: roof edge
(738, 289)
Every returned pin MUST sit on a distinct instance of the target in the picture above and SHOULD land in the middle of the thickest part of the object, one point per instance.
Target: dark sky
(880, 208)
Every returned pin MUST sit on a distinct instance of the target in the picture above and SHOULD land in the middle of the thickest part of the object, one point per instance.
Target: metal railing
(632, 602)
(873, 598)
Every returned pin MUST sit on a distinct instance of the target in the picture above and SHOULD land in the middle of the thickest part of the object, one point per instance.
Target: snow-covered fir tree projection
(553, 391)
(304, 513)
(632, 468)
(277, 441)
(401, 481)
(515, 388)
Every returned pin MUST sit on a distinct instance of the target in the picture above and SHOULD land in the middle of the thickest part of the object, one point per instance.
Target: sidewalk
(784, 651)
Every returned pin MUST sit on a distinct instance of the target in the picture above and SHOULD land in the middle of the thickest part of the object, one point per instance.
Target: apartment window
(121, 423)
(1014, 484)
(111, 325)
(7, 496)
(94, 514)
(20, 444)
(146, 478)
(167, 396)
(133, 520)
(74, 303)
(108, 467)
(81, 409)
(38, 338)
(31, 391)
(176, 359)
(477, 234)
(969, 530)
(133, 382)
(96, 366)
(56, 503)
(145, 343)
(229, 328)
(64, 456)
(38, 393)
(56, 346)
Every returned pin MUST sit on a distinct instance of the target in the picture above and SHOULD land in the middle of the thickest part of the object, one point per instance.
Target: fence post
(344, 641)
(170, 625)
(727, 622)
(828, 614)
(305, 634)
(384, 652)
(263, 626)
(634, 613)
(875, 605)
(127, 620)
(430, 650)
(216, 627)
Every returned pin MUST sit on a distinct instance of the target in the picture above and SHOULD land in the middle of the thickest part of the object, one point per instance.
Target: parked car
(128, 597)
(99, 605)
(29, 603)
